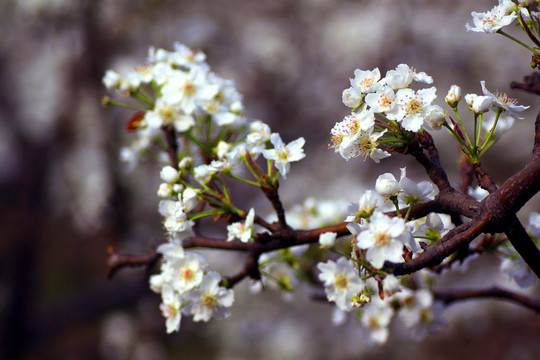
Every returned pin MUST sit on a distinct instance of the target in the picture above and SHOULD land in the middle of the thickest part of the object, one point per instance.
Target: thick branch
(523, 244)
(435, 254)
(484, 179)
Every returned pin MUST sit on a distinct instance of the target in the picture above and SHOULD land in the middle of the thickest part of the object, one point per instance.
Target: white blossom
(399, 78)
(504, 123)
(515, 268)
(413, 107)
(420, 313)
(209, 299)
(242, 231)
(376, 317)
(478, 104)
(283, 154)
(365, 206)
(185, 273)
(412, 193)
(165, 190)
(112, 80)
(341, 282)
(383, 101)
(534, 225)
(383, 238)
(492, 21)
(504, 102)
(435, 117)
(166, 113)
(170, 308)
(477, 193)
(366, 81)
(327, 239)
(352, 97)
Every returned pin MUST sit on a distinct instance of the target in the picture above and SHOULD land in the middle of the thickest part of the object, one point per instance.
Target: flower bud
(169, 174)
(327, 239)
(165, 190)
(478, 104)
(185, 162)
(387, 186)
(435, 117)
(454, 96)
(351, 97)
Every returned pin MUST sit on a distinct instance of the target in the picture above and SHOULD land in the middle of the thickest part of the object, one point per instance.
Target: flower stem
(519, 42)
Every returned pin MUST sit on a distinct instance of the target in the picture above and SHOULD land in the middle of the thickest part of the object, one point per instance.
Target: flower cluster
(378, 301)
(382, 237)
(386, 111)
(359, 281)
(192, 119)
(178, 89)
(187, 287)
(392, 100)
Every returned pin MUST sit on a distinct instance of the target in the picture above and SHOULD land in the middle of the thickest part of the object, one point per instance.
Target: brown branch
(431, 164)
(271, 192)
(531, 84)
(172, 144)
(260, 221)
(520, 240)
(536, 147)
(251, 269)
(467, 173)
(436, 253)
(266, 243)
(451, 296)
(484, 179)
(117, 261)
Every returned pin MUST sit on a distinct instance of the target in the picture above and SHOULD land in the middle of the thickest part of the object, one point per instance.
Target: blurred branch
(451, 296)
(531, 84)
(116, 261)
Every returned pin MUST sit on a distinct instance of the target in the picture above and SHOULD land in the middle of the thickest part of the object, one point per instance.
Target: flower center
(341, 281)
(373, 323)
(189, 88)
(283, 154)
(366, 83)
(209, 301)
(168, 310)
(384, 101)
(414, 106)
(381, 239)
(167, 114)
(367, 145)
(187, 274)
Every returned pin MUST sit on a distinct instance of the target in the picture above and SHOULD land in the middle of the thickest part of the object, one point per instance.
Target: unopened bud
(454, 96)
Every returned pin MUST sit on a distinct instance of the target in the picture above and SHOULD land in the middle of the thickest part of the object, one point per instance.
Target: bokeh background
(65, 197)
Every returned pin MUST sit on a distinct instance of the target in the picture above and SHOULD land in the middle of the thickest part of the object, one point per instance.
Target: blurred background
(66, 197)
